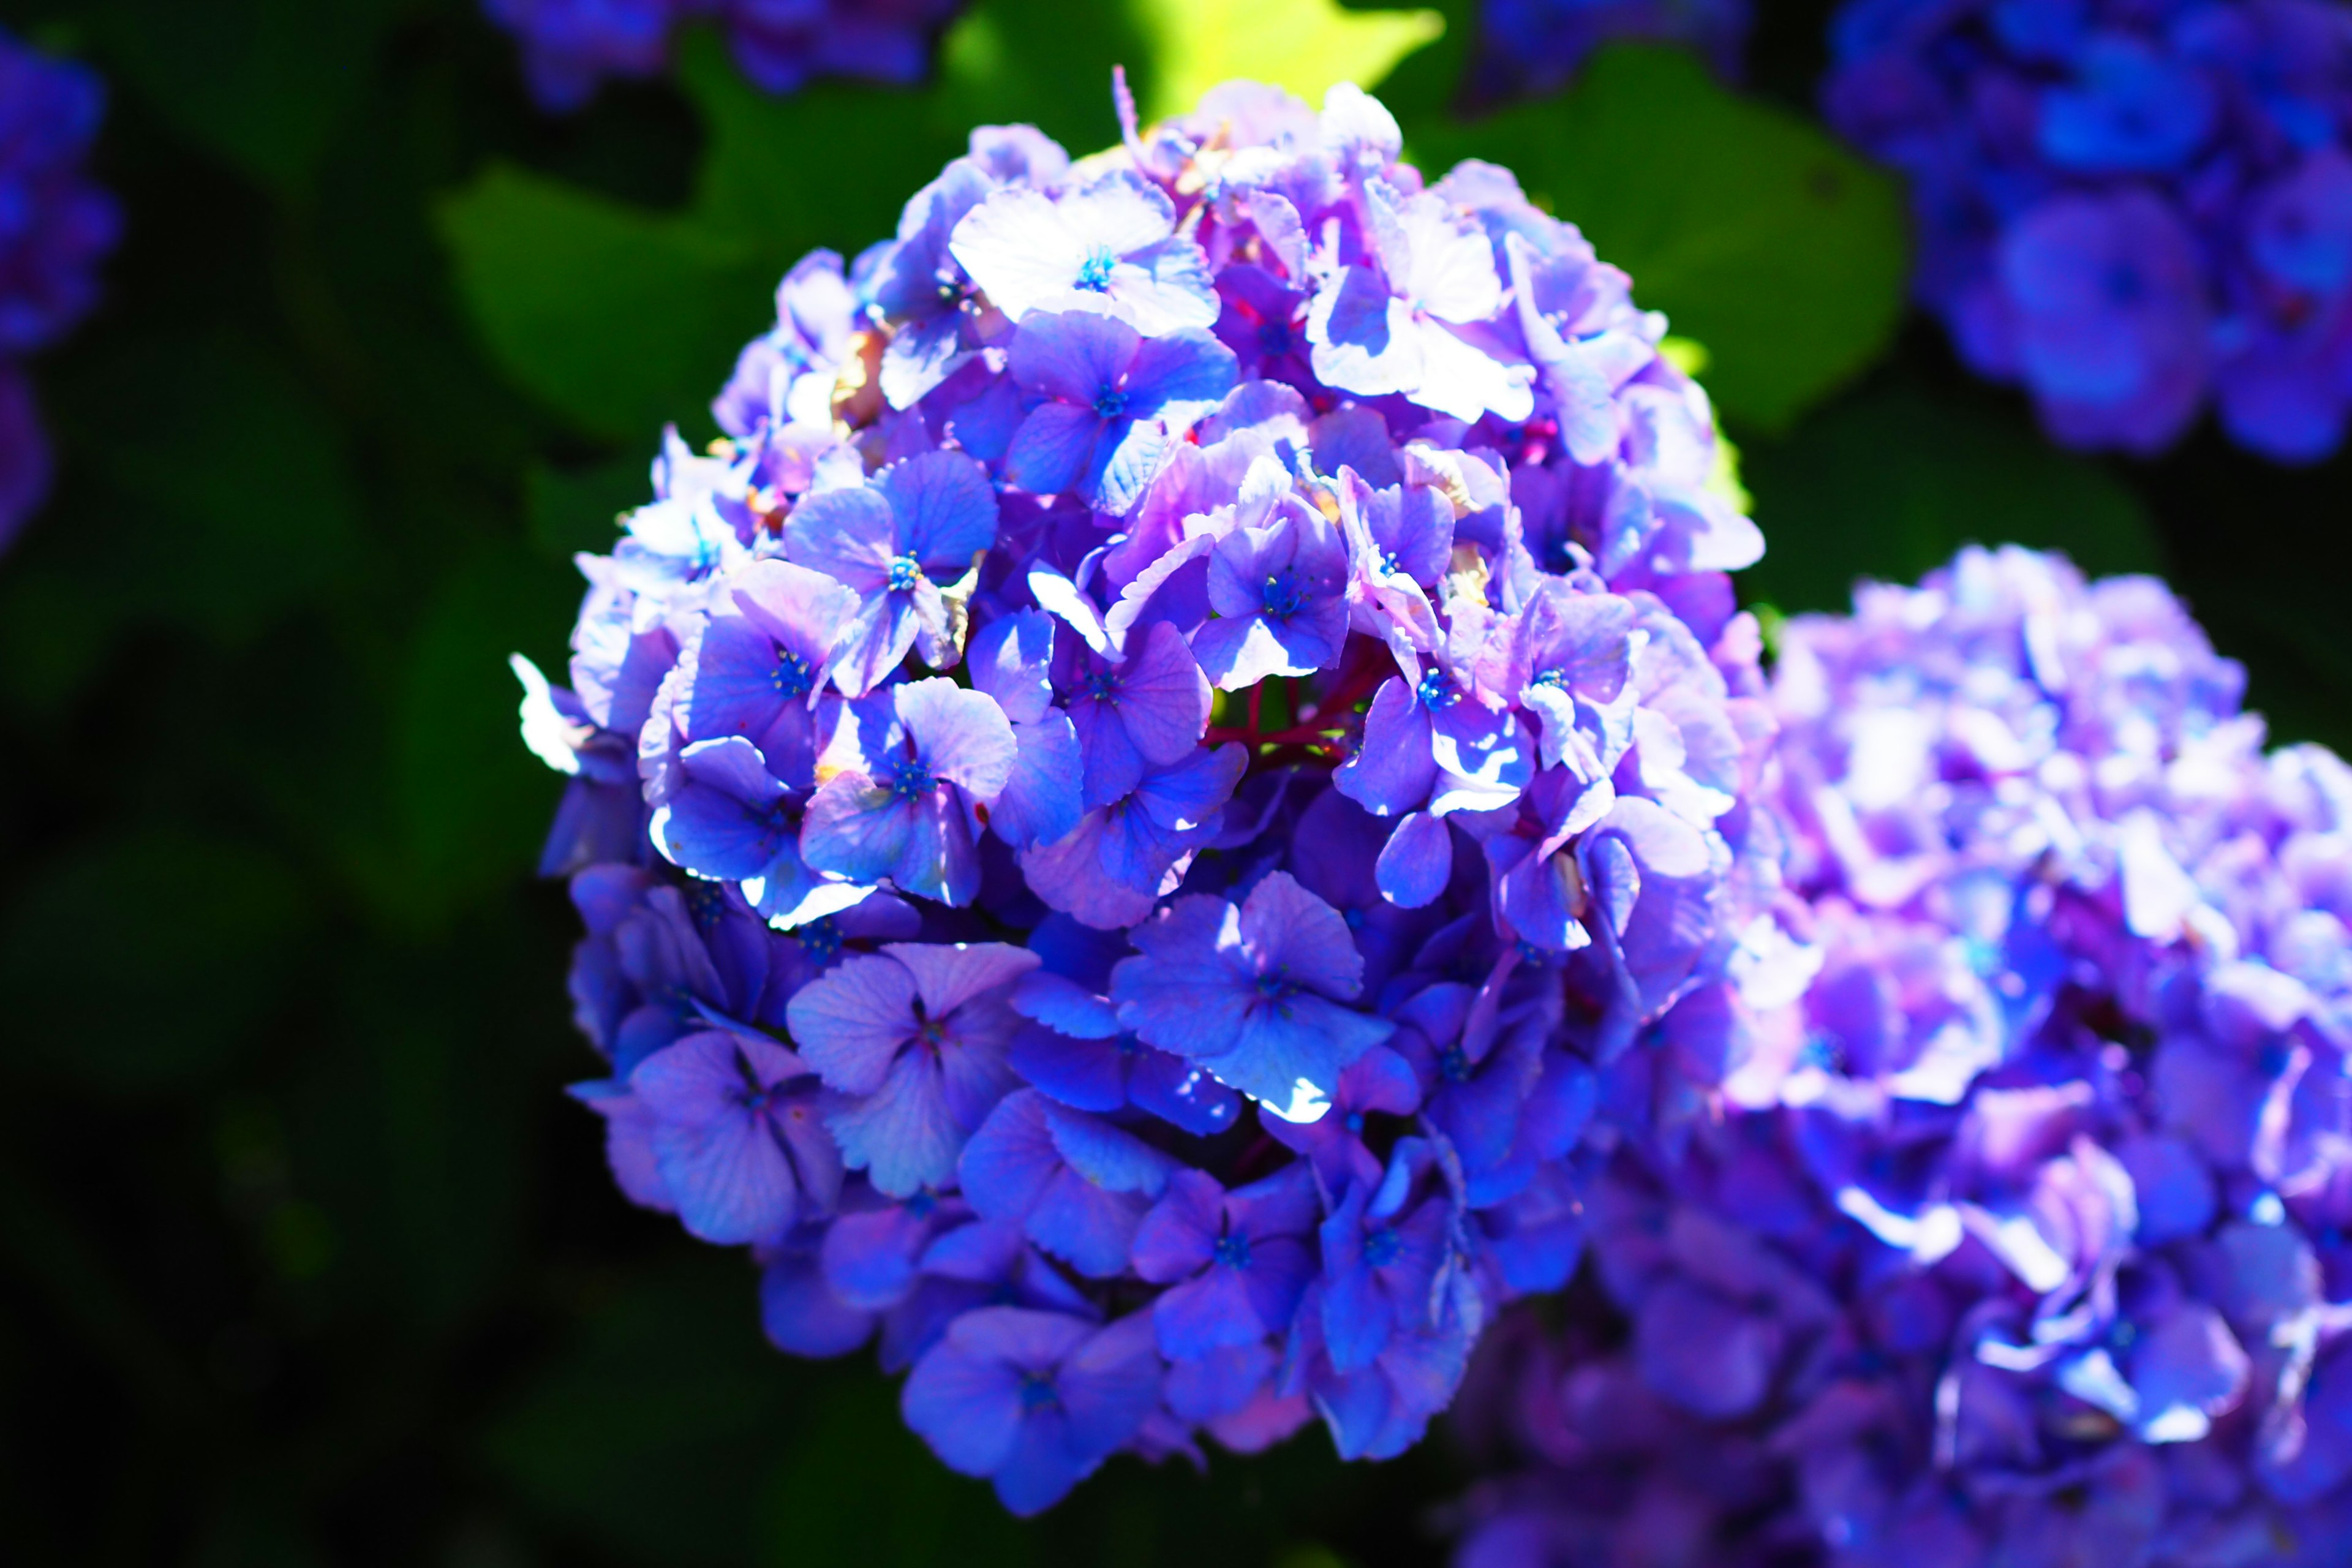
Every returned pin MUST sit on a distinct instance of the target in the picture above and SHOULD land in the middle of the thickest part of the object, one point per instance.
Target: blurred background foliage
(303, 1257)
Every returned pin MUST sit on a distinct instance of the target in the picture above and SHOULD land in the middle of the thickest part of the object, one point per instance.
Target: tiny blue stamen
(820, 940)
(1094, 273)
(1103, 686)
(1110, 402)
(909, 779)
(1381, 1249)
(904, 572)
(1436, 692)
(1037, 1393)
(1233, 1251)
(1283, 597)
(792, 676)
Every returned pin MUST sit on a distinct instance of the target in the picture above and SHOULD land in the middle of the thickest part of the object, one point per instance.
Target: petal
(1289, 932)
(903, 1136)
(1416, 862)
(1390, 772)
(856, 830)
(1042, 800)
(1015, 246)
(1005, 1167)
(946, 510)
(966, 1405)
(803, 1317)
(1053, 448)
(960, 735)
(848, 534)
(850, 1023)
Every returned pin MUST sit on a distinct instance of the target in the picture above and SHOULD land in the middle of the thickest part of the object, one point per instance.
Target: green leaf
(857, 1487)
(1755, 232)
(654, 1431)
(265, 84)
(148, 959)
(621, 318)
(829, 165)
(472, 804)
(236, 480)
(573, 510)
(1889, 485)
(1046, 63)
(1305, 45)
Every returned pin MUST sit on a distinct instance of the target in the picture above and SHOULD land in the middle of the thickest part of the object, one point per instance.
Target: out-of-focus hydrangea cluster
(571, 47)
(2125, 205)
(1129, 810)
(1532, 47)
(55, 228)
(2015, 1235)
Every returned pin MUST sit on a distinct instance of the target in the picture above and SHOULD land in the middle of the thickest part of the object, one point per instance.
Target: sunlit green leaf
(619, 318)
(1305, 45)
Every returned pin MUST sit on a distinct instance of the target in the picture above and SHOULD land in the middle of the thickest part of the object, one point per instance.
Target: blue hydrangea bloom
(55, 228)
(1127, 859)
(1526, 47)
(2133, 211)
(2003, 1221)
(571, 47)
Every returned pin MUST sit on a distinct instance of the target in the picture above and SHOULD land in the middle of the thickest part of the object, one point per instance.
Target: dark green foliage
(304, 1256)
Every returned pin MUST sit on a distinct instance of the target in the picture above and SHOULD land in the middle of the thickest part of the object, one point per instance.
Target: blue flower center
(909, 779)
(1283, 595)
(1103, 686)
(1094, 273)
(1390, 565)
(1037, 1393)
(705, 902)
(1381, 1249)
(921, 1205)
(1110, 402)
(1453, 1065)
(1275, 339)
(1276, 987)
(792, 676)
(904, 572)
(1436, 692)
(2271, 1061)
(1555, 678)
(820, 940)
(1233, 1251)
(1354, 1123)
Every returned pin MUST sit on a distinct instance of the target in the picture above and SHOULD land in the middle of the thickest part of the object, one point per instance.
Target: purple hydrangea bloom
(1135, 874)
(2130, 211)
(571, 47)
(55, 229)
(2002, 1222)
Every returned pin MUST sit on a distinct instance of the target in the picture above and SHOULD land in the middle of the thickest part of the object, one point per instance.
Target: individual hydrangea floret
(1118, 850)
(56, 226)
(571, 47)
(2006, 1219)
(2131, 210)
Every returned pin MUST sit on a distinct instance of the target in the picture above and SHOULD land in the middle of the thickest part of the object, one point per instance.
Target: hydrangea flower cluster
(1120, 810)
(1531, 47)
(571, 47)
(2123, 205)
(55, 228)
(2012, 1230)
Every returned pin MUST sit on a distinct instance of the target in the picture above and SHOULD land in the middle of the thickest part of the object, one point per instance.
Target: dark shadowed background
(304, 1256)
